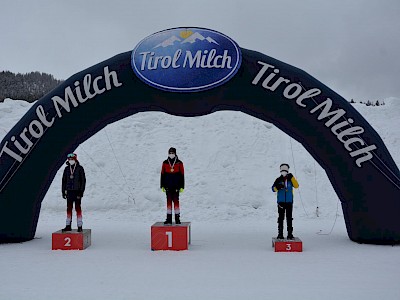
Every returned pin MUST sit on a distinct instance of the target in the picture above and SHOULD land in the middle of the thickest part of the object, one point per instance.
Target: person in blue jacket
(283, 186)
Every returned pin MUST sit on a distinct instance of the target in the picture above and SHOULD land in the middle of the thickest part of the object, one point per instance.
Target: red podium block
(285, 245)
(71, 240)
(170, 237)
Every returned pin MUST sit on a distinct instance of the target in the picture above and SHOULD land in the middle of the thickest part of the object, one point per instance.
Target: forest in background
(29, 87)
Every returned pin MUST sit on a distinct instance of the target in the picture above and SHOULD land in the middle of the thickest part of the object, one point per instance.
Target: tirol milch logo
(186, 59)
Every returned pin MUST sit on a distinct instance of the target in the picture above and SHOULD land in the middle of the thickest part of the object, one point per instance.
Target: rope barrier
(294, 165)
(119, 166)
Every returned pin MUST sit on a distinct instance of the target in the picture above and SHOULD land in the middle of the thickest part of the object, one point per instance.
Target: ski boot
(280, 231)
(67, 228)
(168, 220)
(290, 234)
(177, 219)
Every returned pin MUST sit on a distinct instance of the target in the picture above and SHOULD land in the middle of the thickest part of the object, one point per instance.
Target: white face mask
(284, 173)
(171, 156)
(71, 162)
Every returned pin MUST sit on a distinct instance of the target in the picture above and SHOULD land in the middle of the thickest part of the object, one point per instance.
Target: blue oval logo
(186, 59)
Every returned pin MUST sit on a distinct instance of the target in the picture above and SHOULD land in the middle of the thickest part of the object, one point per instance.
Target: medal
(172, 166)
(72, 171)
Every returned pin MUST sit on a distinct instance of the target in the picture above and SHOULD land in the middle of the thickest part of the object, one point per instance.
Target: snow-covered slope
(231, 160)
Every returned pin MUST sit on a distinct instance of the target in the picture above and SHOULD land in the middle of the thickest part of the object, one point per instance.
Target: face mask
(284, 173)
(71, 162)
(171, 156)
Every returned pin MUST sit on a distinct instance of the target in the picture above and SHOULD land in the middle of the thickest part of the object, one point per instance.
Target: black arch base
(367, 181)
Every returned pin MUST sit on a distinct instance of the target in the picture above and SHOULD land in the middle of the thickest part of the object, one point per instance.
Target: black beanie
(284, 167)
(172, 150)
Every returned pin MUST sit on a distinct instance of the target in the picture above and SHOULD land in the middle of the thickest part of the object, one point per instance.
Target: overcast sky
(351, 46)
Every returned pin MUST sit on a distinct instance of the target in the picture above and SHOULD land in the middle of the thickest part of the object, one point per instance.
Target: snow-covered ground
(231, 160)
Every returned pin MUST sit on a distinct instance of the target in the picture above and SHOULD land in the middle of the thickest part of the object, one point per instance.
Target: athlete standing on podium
(172, 183)
(72, 188)
(284, 185)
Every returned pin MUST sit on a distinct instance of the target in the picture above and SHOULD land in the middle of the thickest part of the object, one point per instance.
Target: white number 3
(288, 247)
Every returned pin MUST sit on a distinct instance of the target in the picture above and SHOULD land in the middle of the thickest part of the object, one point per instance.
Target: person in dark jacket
(172, 183)
(73, 187)
(284, 185)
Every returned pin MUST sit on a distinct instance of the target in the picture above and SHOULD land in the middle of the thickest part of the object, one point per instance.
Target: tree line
(370, 103)
(29, 87)
(34, 85)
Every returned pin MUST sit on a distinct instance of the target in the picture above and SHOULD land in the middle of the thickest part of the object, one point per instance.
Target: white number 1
(169, 235)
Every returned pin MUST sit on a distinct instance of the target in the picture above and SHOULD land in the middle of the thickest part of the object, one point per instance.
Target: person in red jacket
(72, 188)
(172, 183)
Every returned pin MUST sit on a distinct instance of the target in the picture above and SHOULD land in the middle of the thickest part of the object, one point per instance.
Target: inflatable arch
(193, 72)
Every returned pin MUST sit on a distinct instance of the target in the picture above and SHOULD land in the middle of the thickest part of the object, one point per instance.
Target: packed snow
(231, 160)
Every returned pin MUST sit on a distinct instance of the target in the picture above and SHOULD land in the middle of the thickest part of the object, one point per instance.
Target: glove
(181, 190)
(289, 176)
(64, 195)
(163, 190)
(279, 186)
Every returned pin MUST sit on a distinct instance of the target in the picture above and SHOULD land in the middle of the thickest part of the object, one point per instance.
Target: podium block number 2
(169, 237)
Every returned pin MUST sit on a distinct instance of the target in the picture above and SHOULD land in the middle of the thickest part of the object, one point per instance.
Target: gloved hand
(64, 195)
(289, 176)
(279, 186)
(180, 190)
(163, 190)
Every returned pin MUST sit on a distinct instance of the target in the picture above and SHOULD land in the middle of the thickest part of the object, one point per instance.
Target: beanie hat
(284, 167)
(172, 150)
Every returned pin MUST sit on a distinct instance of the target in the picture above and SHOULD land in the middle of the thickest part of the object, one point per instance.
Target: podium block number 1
(169, 237)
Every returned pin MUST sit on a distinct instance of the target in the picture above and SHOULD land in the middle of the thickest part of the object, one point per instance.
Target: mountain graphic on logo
(168, 42)
(193, 38)
(197, 36)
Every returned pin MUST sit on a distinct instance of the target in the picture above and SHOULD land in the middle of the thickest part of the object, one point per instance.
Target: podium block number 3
(67, 242)
(288, 247)
(169, 237)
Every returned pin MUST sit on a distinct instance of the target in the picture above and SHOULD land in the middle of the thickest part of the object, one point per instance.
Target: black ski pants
(285, 207)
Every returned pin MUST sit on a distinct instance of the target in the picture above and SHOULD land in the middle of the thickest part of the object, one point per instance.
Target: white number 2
(288, 247)
(169, 235)
(67, 242)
